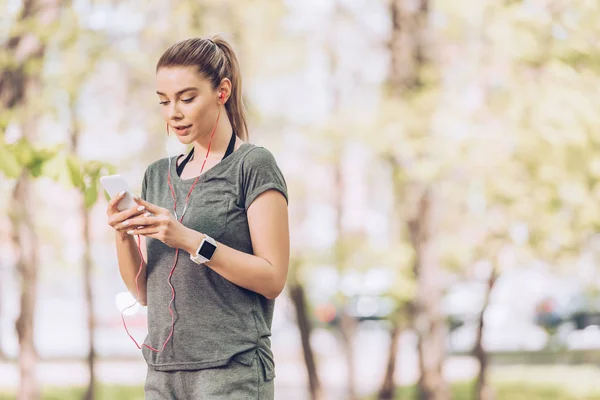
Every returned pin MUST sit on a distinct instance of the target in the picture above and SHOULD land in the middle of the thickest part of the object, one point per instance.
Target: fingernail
(140, 227)
(125, 223)
(147, 214)
(122, 193)
(135, 197)
(141, 208)
(130, 232)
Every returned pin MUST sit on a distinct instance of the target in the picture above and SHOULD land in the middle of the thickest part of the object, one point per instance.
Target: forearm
(129, 265)
(246, 270)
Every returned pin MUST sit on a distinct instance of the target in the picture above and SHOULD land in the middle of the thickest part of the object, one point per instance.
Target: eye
(188, 100)
(164, 103)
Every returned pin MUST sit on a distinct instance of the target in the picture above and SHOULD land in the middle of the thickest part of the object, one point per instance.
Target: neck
(220, 139)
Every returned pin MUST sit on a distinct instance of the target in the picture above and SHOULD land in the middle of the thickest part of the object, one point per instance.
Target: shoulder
(258, 157)
(259, 173)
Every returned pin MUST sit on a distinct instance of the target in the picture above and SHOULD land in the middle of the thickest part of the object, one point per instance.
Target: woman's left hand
(162, 225)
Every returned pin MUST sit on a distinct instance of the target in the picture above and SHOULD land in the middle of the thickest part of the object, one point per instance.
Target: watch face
(207, 250)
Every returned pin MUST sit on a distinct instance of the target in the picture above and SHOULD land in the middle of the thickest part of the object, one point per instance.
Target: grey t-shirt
(215, 319)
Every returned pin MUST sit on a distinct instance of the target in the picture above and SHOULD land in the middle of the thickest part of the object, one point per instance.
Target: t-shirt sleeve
(144, 186)
(260, 173)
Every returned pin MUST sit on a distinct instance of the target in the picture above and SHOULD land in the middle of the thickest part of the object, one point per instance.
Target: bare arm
(127, 249)
(265, 272)
(129, 265)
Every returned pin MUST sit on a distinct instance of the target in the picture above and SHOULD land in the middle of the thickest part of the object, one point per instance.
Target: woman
(224, 208)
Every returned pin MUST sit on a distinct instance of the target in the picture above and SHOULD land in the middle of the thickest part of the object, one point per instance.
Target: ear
(225, 89)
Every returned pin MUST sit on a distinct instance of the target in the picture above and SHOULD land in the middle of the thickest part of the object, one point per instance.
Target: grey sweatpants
(234, 381)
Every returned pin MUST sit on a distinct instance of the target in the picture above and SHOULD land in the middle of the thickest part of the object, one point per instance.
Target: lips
(182, 129)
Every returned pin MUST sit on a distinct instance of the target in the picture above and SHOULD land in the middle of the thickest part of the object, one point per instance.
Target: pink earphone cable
(176, 250)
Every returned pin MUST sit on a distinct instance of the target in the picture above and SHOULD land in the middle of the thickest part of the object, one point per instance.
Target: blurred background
(443, 165)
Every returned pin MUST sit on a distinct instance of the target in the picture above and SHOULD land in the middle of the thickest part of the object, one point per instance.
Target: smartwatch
(205, 251)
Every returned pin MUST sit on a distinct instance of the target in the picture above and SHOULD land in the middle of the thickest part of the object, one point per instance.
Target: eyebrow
(180, 92)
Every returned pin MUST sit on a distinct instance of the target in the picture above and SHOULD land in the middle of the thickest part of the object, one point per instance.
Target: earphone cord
(142, 261)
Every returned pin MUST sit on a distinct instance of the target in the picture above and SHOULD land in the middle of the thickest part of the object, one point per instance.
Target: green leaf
(9, 164)
(56, 169)
(24, 152)
(41, 157)
(44, 155)
(106, 169)
(36, 167)
(110, 169)
(91, 194)
(92, 168)
(75, 174)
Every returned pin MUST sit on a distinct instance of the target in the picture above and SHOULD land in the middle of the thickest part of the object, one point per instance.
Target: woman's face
(189, 104)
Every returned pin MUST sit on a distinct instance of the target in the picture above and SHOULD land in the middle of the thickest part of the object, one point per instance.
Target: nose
(173, 113)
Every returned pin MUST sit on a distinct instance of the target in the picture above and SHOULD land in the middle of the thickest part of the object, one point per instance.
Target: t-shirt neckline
(212, 171)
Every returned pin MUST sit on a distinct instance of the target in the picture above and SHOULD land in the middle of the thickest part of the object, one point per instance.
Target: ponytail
(235, 105)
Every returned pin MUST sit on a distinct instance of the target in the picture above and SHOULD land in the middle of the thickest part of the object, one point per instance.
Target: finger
(144, 231)
(112, 204)
(124, 215)
(154, 209)
(128, 227)
(139, 221)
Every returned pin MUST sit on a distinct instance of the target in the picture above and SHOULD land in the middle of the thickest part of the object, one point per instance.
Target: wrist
(193, 240)
(122, 236)
(205, 250)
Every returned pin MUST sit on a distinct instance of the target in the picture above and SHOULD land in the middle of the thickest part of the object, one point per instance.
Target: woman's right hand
(116, 217)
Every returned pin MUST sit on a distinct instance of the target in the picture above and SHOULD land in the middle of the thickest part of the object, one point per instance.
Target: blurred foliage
(56, 164)
(516, 130)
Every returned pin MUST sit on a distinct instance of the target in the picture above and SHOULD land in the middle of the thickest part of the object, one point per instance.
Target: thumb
(154, 209)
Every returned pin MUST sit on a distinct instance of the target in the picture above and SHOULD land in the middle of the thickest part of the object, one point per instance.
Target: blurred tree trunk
(89, 300)
(26, 242)
(347, 323)
(2, 354)
(297, 294)
(408, 44)
(347, 329)
(84, 214)
(428, 319)
(388, 387)
(19, 90)
(409, 55)
(483, 391)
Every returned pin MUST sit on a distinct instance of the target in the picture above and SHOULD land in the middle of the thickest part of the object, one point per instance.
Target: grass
(460, 391)
(515, 382)
(104, 392)
(504, 391)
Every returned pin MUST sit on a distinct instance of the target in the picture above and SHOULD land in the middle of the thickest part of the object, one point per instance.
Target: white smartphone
(115, 184)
